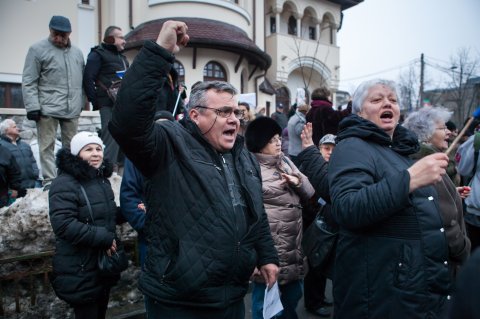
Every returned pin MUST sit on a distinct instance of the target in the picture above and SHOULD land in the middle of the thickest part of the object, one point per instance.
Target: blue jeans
(290, 294)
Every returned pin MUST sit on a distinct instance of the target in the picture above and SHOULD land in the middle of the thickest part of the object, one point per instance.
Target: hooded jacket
(76, 278)
(392, 252)
(284, 210)
(196, 254)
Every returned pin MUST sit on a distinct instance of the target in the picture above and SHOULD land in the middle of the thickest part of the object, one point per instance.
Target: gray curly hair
(424, 121)
(361, 92)
(6, 124)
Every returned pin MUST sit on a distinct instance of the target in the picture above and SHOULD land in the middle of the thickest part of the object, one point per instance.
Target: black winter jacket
(392, 253)
(103, 62)
(10, 176)
(75, 277)
(25, 160)
(195, 255)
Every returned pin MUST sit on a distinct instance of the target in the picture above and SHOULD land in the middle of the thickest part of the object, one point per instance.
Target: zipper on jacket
(162, 280)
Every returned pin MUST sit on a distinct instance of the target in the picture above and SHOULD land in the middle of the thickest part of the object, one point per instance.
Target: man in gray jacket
(52, 91)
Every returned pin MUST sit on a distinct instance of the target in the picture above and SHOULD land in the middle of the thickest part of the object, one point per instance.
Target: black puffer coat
(75, 277)
(196, 255)
(392, 253)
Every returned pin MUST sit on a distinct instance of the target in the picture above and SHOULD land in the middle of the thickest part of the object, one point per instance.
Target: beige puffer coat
(284, 211)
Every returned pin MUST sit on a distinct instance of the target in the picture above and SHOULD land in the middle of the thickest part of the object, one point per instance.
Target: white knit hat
(84, 138)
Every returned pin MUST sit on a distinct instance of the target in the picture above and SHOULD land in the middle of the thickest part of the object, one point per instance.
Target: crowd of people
(220, 202)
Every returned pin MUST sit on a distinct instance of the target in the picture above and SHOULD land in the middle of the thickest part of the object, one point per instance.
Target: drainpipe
(99, 12)
(256, 86)
(341, 21)
(130, 14)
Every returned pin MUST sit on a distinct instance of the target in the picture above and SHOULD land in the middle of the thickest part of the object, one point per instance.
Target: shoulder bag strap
(88, 203)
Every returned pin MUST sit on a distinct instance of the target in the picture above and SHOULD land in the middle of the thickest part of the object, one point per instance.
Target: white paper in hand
(271, 303)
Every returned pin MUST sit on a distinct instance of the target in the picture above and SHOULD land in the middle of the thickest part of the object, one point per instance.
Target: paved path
(139, 313)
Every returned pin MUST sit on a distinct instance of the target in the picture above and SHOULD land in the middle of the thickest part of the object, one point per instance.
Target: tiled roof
(205, 33)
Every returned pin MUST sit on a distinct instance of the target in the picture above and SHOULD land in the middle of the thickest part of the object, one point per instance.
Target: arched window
(292, 25)
(213, 71)
(180, 70)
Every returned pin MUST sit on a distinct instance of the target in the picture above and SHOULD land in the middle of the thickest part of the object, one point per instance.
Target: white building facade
(266, 48)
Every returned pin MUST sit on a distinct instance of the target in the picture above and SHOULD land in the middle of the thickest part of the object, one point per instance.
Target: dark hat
(60, 23)
(259, 132)
(163, 115)
(451, 126)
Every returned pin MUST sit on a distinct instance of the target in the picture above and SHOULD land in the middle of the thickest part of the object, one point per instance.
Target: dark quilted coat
(195, 255)
(392, 252)
(75, 277)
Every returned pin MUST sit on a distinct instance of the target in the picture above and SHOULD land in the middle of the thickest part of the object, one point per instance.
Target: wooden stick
(460, 135)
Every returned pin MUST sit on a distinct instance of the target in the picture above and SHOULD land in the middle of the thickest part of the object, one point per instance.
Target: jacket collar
(80, 169)
(403, 141)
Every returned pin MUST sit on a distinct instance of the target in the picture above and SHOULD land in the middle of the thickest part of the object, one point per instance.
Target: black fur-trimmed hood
(80, 169)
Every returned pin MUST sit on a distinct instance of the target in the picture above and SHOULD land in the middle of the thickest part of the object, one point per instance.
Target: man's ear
(194, 114)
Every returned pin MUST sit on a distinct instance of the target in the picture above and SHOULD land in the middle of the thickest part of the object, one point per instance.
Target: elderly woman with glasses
(392, 258)
(433, 135)
(283, 187)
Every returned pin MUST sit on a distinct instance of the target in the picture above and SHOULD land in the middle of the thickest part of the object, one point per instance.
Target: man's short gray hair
(198, 93)
(424, 121)
(6, 124)
(361, 92)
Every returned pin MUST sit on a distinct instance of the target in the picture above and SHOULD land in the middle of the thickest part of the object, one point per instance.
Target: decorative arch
(214, 71)
(309, 24)
(310, 62)
(327, 29)
(289, 12)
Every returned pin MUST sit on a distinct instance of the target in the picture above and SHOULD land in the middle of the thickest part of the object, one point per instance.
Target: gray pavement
(139, 313)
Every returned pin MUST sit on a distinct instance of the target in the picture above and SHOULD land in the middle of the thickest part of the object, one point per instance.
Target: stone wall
(89, 121)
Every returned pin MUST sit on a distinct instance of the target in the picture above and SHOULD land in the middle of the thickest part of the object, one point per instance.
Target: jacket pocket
(408, 273)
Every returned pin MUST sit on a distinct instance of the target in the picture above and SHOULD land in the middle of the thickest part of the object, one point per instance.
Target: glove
(34, 115)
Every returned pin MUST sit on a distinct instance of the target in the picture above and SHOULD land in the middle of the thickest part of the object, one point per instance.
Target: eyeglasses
(225, 111)
(275, 140)
(442, 128)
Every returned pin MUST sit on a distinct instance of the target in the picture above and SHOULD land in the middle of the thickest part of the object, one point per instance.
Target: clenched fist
(428, 170)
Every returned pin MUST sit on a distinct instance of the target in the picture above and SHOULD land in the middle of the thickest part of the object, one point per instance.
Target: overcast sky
(381, 35)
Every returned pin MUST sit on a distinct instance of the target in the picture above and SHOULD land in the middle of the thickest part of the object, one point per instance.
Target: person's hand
(34, 115)
(112, 249)
(13, 193)
(306, 136)
(464, 191)
(427, 170)
(141, 206)
(291, 179)
(256, 272)
(269, 273)
(173, 35)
